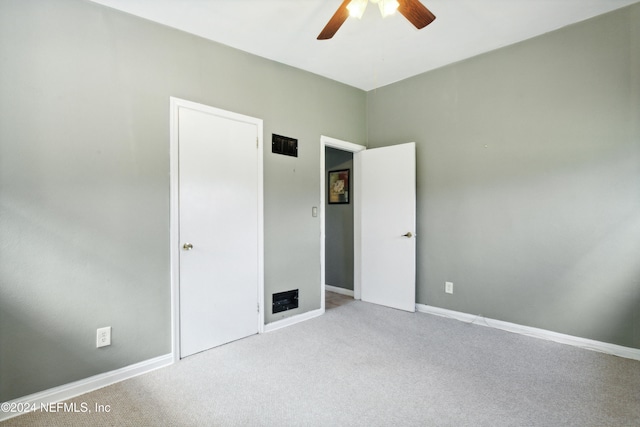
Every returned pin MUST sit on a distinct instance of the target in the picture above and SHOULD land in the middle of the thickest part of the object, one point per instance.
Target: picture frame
(339, 186)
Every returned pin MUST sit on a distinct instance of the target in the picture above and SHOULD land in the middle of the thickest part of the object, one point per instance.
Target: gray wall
(339, 227)
(84, 180)
(528, 163)
(528, 171)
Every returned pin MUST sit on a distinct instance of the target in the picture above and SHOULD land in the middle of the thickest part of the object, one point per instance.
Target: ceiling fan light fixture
(387, 7)
(356, 8)
(413, 10)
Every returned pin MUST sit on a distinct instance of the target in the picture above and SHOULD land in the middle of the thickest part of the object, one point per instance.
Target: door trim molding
(326, 141)
(174, 212)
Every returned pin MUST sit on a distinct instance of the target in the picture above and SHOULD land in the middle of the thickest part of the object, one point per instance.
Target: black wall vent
(284, 301)
(284, 145)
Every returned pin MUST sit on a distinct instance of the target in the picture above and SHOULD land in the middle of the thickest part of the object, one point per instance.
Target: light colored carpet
(365, 365)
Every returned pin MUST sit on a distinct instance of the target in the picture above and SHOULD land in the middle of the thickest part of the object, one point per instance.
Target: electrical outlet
(448, 287)
(103, 337)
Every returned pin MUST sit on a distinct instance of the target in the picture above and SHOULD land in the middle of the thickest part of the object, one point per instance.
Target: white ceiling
(371, 52)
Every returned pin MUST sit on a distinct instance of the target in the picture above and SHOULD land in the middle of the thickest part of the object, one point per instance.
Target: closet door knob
(187, 246)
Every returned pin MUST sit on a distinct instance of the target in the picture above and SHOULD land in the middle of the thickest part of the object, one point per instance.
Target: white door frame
(326, 141)
(174, 221)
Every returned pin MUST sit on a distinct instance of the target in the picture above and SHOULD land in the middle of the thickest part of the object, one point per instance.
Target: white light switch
(314, 212)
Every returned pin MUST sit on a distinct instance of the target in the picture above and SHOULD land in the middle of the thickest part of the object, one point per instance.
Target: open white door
(388, 226)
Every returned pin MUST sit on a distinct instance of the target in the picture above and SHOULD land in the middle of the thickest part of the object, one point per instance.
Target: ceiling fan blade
(416, 13)
(335, 22)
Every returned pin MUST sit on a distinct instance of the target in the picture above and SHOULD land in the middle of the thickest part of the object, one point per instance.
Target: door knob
(187, 246)
(408, 234)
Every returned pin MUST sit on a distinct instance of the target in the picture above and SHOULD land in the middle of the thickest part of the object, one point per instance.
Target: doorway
(384, 223)
(216, 226)
(347, 149)
(339, 222)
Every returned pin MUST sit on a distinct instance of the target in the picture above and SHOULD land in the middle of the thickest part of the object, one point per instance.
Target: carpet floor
(366, 365)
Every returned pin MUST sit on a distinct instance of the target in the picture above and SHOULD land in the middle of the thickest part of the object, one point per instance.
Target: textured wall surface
(528, 174)
(528, 162)
(84, 180)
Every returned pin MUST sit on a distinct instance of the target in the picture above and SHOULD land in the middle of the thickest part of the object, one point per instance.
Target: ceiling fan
(413, 10)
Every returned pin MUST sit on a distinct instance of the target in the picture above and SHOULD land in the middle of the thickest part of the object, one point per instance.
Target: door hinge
(257, 142)
(258, 307)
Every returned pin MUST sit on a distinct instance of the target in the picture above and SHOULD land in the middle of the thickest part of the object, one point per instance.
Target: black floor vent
(284, 301)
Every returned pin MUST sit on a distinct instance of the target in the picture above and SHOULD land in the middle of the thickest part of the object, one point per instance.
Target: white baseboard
(603, 347)
(338, 290)
(279, 324)
(76, 388)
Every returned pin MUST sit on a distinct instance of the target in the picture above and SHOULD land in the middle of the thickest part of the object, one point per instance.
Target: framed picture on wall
(339, 186)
